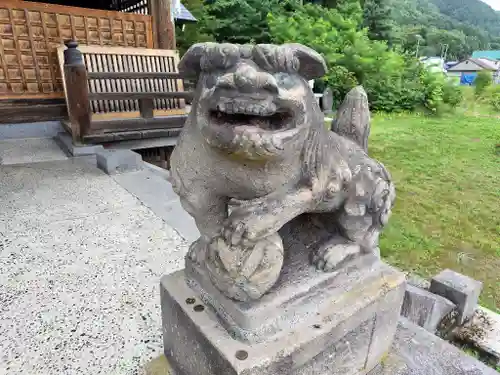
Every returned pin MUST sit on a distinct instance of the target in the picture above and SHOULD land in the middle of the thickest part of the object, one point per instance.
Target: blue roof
(185, 15)
(492, 55)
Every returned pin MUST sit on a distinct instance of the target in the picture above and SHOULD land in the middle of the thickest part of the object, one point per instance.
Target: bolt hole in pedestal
(190, 301)
(317, 326)
(199, 308)
(241, 355)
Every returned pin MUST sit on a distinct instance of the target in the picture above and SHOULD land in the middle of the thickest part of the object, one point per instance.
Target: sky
(495, 4)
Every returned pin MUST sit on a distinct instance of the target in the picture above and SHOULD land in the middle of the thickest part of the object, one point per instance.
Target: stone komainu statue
(257, 169)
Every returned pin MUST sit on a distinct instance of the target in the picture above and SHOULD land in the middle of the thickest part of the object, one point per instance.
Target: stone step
(30, 150)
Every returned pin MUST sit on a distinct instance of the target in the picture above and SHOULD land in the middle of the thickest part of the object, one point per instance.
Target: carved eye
(220, 57)
(286, 81)
(246, 51)
(210, 81)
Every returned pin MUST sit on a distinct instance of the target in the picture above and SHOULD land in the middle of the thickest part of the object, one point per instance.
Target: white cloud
(495, 4)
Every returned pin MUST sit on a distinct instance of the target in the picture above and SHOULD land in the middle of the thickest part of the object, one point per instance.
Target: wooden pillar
(77, 91)
(164, 28)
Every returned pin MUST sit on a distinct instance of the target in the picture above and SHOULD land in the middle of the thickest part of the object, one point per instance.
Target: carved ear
(207, 57)
(190, 64)
(311, 63)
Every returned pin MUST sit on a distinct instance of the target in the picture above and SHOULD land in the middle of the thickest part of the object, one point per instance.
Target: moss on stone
(159, 366)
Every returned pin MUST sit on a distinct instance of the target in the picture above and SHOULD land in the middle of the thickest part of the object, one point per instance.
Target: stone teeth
(229, 108)
(247, 108)
(277, 143)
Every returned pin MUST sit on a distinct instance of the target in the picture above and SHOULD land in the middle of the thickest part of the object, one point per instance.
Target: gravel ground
(80, 263)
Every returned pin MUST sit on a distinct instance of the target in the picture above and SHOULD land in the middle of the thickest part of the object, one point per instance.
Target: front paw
(197, 252)
(245, 229)
(329, 257)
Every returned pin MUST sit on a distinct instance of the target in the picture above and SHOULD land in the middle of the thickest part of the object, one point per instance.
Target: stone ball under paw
(245, 273)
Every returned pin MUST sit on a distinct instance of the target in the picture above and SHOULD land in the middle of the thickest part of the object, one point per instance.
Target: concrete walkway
(151, 187)
(80, 263)
(29, 150)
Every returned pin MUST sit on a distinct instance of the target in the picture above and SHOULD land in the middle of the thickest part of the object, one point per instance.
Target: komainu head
(254, 101)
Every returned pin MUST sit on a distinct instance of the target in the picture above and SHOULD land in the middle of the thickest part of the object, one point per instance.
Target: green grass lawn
(447, 213)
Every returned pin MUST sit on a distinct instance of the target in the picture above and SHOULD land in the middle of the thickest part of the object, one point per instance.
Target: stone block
(425, 308)
(459, 289)
(138, 144)
(416, 351)
(418, 281)
(482, 331)
(46, 129)
(312, 323)
(66, 143)
(118, 161)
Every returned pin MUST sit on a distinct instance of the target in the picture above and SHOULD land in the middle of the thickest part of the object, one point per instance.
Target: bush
(482, 81)
(492, 96)
(452, 94)
(432, 84)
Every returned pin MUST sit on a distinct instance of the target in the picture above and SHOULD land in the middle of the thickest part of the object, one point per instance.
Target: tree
(245, 21)
(378, 19)
(393, 81)
(465, 26)
(190, 33)
(351, 57)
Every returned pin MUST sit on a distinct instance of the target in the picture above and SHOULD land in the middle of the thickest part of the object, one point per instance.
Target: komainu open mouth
(260, 118)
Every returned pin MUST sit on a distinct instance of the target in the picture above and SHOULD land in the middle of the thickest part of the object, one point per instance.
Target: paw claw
(328, 257)
(240, 230)
(320, 264)
(197, 251)
(237, 235)
(227, 233)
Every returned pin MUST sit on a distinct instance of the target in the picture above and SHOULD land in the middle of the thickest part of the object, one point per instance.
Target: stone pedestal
(309, 323)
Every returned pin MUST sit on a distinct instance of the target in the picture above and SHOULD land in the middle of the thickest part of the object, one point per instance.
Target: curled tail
(353, 117)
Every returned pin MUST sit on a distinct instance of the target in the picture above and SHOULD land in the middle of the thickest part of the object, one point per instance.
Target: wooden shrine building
(116, 42)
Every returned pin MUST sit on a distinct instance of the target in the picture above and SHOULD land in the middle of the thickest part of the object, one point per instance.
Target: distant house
(181, 14)
(449, 64)
(491, 55)
(467, 69)
(434, 64)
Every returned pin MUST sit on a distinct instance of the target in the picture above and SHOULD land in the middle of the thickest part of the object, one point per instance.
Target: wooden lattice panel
(30, 34)
(131, 6)
(130, 60)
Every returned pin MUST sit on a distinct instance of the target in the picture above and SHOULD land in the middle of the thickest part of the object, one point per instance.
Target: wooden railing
(31, 32)
(116, 105)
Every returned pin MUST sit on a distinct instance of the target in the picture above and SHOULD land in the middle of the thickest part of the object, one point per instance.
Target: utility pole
(418, 45)
(445, 53)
